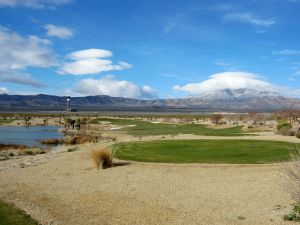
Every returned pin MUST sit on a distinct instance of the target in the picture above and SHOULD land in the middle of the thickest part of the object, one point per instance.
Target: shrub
(102, 158)
(294, 215)
(298, 135)
(283, 124)
(29, 152)
(11, 154)
(286, 131)
(72, 149)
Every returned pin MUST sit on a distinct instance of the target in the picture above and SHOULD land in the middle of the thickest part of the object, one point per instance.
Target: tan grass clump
(291, 175)
(102, 158)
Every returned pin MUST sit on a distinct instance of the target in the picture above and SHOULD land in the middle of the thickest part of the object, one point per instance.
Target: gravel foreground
(67, 189)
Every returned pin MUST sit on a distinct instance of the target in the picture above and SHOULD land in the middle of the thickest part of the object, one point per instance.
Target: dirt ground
(66, 189)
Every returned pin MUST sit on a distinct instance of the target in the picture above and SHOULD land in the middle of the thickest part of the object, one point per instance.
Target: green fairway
(205, 151)
(143, 128)
(9, 215)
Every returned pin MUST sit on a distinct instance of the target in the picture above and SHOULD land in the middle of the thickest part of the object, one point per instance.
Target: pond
(28, 135)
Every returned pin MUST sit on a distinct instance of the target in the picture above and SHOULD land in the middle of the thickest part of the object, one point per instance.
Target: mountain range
(235, 100)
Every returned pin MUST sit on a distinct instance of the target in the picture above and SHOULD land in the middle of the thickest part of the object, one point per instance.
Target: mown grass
(205, 151)
(143, 128)
(9, 215)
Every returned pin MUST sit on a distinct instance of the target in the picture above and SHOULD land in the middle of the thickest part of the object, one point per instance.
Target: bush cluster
(285, 128)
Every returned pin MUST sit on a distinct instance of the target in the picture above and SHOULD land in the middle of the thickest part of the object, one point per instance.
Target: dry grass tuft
(102, 158)
(291, 175)
(291, 184)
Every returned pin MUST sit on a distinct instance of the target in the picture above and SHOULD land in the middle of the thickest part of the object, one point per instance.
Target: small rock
(3, 158)
(27, 163)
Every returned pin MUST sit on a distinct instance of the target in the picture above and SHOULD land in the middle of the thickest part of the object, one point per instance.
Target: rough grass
(102, 158)
(3, 121)
(143, 128)
(9, 215)
(205, 151)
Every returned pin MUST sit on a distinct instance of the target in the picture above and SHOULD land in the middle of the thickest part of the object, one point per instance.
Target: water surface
(28, 135)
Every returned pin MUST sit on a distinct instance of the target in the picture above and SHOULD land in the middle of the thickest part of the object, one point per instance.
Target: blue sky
(148, 49)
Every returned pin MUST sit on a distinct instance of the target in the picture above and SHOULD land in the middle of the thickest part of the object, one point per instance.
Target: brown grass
(71, 140)
(291, 178)
(51, 141)
(12, 146)
(102, 158)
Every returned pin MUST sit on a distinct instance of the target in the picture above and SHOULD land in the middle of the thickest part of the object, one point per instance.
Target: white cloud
(230, 80)
(3, 90)
(90, 53)
(34, 4)
(20, 52)
(60, 32)
(109, 85)
(287, 52)
(249, 18)
(90, 61)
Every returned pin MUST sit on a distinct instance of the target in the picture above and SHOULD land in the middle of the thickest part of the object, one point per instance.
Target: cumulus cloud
(34, 4)
(111, 86)
(59, 32)
(230, 80)
(90, 61)
(20, 52)
(249, 18)
(3, 90)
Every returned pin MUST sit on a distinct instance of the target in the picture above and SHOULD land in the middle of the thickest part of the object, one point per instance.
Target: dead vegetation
(75, 139)
(12, 146)
(292, 175)
(102, 158)
(291, 184)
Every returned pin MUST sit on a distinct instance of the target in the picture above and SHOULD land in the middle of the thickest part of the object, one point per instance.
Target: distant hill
(224, 100)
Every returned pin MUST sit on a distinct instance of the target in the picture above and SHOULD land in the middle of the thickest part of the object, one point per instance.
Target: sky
(148, 49)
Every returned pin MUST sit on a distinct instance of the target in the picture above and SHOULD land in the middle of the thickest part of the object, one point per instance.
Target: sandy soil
(65, 189)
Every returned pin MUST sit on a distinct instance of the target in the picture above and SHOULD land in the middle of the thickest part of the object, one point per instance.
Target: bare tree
(215, 118)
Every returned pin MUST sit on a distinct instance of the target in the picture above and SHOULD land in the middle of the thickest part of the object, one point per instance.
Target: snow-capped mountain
(239, 93)
(221, 100)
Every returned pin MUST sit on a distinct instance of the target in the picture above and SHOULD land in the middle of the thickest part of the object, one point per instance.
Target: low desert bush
(283, 124)
(291, 183)
(298, 135)
(294, 215)
(72, 149)
(102, 158)
(29, 152)
(286, 131)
